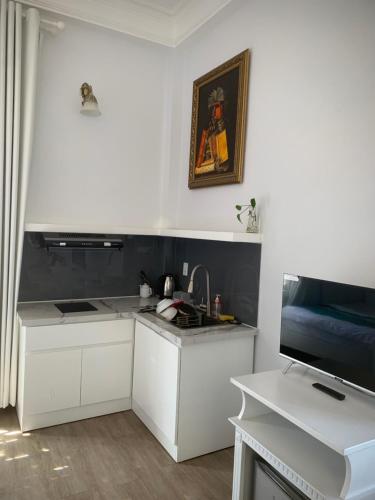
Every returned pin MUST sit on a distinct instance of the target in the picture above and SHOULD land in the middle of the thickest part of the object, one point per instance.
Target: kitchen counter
(45, 313)
(194, 335)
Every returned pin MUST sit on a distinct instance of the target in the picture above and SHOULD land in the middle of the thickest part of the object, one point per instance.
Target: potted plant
(252, 224)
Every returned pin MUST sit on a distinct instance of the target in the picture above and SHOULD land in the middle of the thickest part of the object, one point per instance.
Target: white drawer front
(39, 338)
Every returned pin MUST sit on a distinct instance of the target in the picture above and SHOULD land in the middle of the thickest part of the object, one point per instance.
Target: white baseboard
(38, 421)
(199, 451)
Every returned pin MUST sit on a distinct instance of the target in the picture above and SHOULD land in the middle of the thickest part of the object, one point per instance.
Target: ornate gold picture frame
(218, 124)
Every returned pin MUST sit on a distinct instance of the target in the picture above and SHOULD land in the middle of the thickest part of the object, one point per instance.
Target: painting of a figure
(218, 124)
(213, 149)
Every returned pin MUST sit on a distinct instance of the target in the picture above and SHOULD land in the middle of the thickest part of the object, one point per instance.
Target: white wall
(310, 142)
(103, 170)
(310, 139)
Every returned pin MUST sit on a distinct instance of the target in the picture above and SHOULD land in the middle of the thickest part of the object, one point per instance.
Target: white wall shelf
(213, 235)
(87, 228)
(175, 233)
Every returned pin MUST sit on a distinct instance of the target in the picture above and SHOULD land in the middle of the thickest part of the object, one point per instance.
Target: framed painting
(218, 124)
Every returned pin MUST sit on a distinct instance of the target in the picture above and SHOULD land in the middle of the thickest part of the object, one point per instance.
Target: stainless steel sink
(200, 320)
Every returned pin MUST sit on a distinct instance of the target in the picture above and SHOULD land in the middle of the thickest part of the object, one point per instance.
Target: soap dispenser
(217, 306)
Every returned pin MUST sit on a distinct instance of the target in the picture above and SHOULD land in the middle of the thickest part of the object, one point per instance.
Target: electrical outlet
(185, 269)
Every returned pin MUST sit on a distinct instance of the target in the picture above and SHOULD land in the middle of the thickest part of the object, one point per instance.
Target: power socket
(185, 269)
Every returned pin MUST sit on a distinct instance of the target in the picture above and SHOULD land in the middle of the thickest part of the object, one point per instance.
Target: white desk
(324, 447)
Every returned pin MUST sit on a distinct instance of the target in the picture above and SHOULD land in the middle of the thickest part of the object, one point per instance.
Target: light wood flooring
(112, 457)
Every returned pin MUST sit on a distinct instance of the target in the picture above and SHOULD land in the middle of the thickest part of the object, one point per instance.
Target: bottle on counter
(217, 306)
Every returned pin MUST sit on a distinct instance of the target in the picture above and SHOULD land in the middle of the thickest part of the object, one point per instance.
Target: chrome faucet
(191, 284)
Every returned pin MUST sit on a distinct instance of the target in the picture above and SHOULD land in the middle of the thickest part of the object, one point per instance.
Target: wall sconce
(90, 105)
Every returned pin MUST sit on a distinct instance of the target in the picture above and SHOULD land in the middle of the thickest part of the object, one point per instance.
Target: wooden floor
(112, 457)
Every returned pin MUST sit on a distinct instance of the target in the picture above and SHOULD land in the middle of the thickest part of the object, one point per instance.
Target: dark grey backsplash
(234, 273)
(78, 274)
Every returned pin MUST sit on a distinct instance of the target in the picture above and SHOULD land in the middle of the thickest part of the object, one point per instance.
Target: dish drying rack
(184, 320)
(187, 320)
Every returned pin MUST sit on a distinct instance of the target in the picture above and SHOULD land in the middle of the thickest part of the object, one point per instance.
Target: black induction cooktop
(73, 307)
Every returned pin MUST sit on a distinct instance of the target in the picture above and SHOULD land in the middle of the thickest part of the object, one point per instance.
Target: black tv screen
(330, 327)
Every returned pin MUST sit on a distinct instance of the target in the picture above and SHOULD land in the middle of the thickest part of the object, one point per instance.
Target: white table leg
(243, 470)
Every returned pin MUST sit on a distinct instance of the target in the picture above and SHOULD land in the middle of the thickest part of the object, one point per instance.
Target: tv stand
(324, 447)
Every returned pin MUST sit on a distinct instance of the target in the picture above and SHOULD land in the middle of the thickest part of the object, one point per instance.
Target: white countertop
(46, 313)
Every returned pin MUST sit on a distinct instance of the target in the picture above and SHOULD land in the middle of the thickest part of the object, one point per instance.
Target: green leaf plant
(245, 208)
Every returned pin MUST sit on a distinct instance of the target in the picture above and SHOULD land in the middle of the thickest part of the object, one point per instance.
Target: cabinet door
(52, 381)
(267, 489)
(155, 379)
(106, 373)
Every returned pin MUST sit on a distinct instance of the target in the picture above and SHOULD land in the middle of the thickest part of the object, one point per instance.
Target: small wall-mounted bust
(90, 105)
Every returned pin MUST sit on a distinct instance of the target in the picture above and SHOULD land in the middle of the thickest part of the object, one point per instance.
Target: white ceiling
(169, 7)
(168, 22)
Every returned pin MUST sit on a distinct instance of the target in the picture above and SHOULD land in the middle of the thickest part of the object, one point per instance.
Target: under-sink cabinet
(155, 382)
(183, 393)
(74, 371)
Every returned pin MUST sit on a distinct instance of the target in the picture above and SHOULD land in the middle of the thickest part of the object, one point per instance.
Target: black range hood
(82, 241)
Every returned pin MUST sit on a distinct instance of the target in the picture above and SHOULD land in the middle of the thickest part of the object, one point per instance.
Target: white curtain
(18, 70)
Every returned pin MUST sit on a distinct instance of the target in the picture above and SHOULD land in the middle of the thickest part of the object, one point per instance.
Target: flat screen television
(330, 327)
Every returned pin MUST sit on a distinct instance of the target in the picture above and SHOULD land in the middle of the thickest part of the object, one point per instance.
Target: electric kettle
(166, 286)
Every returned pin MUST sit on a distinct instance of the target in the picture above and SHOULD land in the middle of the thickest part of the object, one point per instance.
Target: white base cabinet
(74, 371)
(155, 383)
(184, 395)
